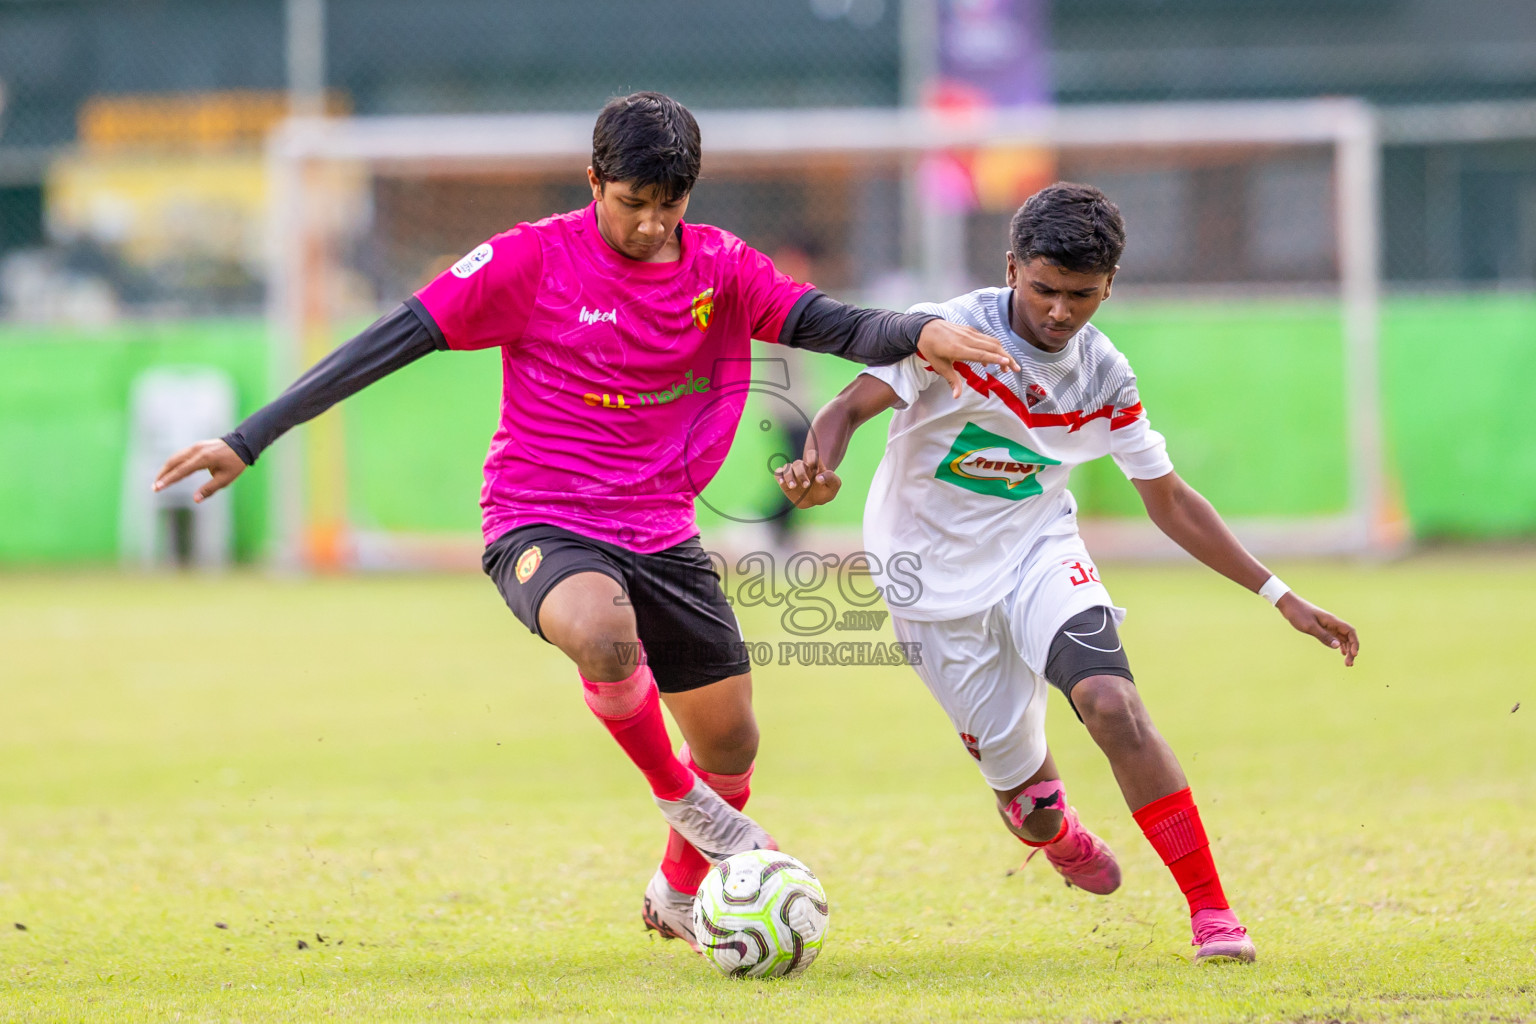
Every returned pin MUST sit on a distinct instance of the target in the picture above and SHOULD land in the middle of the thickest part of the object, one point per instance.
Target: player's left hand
(1329, 629)
(944, 344)
(806, 482)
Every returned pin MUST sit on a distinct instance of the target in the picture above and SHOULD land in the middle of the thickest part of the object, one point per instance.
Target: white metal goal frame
(302, 147)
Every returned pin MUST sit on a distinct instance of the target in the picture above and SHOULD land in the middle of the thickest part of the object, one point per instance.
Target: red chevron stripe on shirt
(1073, 420)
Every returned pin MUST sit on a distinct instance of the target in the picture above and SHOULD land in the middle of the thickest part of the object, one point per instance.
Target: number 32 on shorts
(1080, 572)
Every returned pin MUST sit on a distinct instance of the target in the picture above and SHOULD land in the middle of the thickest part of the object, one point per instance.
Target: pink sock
(631, 710)
(684, 866)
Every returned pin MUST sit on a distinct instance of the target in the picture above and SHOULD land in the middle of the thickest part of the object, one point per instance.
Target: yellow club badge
(528, 563)
(703, 308)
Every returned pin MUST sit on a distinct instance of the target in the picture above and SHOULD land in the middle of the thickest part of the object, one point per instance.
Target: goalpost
(1226, 202)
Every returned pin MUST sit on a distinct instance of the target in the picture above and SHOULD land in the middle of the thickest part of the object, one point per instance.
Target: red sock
(684, 866)
(1172, 825)
(631, 709)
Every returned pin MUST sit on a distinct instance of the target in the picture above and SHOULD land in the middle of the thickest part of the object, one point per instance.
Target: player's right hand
(806, 482)
(944, 344)
(217, 457)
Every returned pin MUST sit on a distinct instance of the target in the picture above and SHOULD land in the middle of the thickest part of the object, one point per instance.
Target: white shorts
(987, 669)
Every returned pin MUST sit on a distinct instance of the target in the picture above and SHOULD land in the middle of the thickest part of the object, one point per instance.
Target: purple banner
(992, 53)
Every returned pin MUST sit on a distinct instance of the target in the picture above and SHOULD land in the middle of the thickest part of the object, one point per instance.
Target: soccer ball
(760, 914)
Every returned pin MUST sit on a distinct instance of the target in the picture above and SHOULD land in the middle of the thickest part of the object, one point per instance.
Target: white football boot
(712, 826)
(668, 911)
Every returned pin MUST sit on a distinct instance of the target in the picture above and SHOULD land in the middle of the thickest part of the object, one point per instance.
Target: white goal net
(1247, 298)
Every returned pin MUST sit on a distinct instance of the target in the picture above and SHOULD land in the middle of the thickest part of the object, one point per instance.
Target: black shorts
(689, 631)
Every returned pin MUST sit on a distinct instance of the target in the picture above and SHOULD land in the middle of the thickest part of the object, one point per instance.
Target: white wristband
(1274, 589)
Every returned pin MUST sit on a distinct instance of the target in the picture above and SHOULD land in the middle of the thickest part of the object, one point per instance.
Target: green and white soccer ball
(761, 914)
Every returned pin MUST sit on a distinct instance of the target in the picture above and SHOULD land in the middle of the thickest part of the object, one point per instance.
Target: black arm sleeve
(396, 339)
(874, 337)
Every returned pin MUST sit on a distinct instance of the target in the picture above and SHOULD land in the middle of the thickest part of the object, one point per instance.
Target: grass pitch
(369, 799)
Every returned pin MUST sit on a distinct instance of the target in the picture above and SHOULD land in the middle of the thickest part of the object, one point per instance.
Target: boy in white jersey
(975, 488)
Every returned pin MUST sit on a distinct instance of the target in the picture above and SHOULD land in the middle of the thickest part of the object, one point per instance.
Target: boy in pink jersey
(625, 336)
(659, 352)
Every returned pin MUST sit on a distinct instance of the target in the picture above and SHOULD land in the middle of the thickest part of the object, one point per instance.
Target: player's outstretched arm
(811, 480)
(879, 337)
(394, 340)
(1189, 520)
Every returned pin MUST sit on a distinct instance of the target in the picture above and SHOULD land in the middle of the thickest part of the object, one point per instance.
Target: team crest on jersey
(528, 563)
(989, 463)
(1034, 395)
(703, 308)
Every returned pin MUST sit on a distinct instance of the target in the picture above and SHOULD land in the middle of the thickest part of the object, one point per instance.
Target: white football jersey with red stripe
(968, 486)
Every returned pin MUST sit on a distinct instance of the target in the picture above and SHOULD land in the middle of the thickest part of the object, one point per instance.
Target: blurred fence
(78, 191)
(135, 193)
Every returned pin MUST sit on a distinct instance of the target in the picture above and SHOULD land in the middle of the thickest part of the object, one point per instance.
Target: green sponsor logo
(689, 385)
(989, 463)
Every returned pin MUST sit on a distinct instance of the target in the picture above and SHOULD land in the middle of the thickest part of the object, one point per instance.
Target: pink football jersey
(623, 381)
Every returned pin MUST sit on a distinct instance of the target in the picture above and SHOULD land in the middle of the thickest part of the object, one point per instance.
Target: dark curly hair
(647, 140)
(1073, 226)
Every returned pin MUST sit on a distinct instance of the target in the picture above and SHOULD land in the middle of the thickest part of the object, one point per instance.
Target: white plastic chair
(168, 409)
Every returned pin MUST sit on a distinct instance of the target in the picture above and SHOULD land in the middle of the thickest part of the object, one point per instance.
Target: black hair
(1074, 226)
(647, 140)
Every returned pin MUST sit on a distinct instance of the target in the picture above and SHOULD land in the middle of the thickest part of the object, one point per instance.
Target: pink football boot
(1083, 859)
(1220, 938)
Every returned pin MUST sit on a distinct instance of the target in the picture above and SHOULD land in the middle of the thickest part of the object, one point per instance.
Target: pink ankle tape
(726, 786)
(1047, 795)
(615, 701)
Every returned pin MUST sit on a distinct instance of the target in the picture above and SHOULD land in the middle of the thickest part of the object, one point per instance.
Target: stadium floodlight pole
(285, 239)
(312, 479)
(919, 49)
(289, 309)
(287, 232)
(306, 56)
(919, 27)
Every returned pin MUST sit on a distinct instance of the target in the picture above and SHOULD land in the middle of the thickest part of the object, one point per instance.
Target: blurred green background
(1248, 395)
